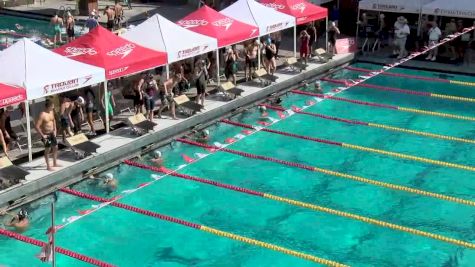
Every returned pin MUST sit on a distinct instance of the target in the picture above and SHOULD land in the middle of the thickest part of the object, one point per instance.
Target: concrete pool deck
(120, 144)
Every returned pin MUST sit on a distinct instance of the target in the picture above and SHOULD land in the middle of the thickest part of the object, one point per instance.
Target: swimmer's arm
(38, 124)
(113, 99)
(54, 125)
(4, 145)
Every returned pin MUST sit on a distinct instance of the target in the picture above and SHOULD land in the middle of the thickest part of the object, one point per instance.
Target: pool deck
(120, 144)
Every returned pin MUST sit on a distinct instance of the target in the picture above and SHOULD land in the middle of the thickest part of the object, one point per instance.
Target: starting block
(9, 173)
(140, 125)
(188, 107)
(229, 88)
(81, 146)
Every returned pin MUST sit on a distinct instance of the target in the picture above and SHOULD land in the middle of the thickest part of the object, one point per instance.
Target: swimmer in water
(19, 221)
(264, 113)
(318, 87)
(202, 136)
(108, 182)
(157, 158)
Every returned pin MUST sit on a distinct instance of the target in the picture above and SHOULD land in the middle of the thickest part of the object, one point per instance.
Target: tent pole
(217, 67)
(326, 35)
(295, 39)
(259, 55)
(28, 129)
(106, 106)
(357, 27)
(419, 24)
(167, 68)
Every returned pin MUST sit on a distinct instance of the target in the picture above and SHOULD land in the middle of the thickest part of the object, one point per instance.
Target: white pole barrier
(218, 81)
(28, 129)
(106, 106)
(295, 40)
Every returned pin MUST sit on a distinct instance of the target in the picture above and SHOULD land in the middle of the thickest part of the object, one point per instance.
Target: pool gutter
(24, 193)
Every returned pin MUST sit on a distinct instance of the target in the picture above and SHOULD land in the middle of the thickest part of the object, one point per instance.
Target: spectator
(434, 37)
(382, 33)
(401, 31)
(451, 28)
(6, 127)
(463, 42)
(91, 22)
(332, 32)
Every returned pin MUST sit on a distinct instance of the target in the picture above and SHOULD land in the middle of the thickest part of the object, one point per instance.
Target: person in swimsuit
(19, 221)
(6, 127)
(312, 31)
(110, 13)
(200, 79)
(202, 136)
(46, 127)
(119, 14)
(304, 45)
(170, 88)
(90, 97)
(138, 96)
(318, 87)
(70, 27)
(230, 68)
(277, 37)
(57, 23)
(157, 159)
(65, 116)
(107, 182)
(110, 103)
(77, 115)
(270, 51)
(332, 32)
(251, 55)
(149, 89)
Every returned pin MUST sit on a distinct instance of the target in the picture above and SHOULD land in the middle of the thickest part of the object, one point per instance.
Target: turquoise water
(127, 239)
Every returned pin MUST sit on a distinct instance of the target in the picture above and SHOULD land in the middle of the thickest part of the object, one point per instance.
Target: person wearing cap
(91, 22)
(401, 31)
(109, 182)
(264, 113)
(318, 87)
(70, 27)
(157, 159)
(202, 136)
(18, 221)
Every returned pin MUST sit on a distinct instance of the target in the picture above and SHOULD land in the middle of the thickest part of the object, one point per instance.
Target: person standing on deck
(110, 13)
(46, 127)
(401, 31)
(57, 23)
(91, 22)
(119, 14)
(434, 36)
(304, 46)
(70, 27)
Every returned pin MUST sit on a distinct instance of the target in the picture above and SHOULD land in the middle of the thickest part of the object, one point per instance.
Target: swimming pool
(125, 238)
(30, 28)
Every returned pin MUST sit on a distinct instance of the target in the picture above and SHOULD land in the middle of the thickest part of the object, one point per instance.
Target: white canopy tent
(267, 19)
(42, 73)
(160, 34)
(452, 8)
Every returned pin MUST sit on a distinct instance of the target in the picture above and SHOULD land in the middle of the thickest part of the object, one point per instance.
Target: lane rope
(411, 110)
(376, 125)
(61, 250)
(206, 229)
(404, 91)
(414, 76)
(360, 148)
(334, 211)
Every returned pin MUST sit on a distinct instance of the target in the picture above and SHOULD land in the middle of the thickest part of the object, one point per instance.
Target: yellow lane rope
(451, 97)
(438, 114)
(462, 83)
(373, 221)
(270, 246)
(409, 157)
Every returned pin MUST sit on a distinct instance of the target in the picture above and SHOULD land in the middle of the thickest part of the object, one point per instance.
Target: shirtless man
(171, 87)
(19, 221)
(46, 127)
(119, 14)
(157, 159)
(110, 17)
(70, 27)
(251, 55)
(67, 122)
(57, 23)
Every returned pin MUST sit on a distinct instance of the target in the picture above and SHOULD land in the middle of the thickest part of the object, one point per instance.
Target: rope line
(376, 125)
(61, 250)
(413, 76)
(206, 229)
(411, 110)
(361, 148)
(334, 211)
(404, 91)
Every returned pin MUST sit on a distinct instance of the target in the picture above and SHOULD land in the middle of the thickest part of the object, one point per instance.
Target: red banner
(346, 45)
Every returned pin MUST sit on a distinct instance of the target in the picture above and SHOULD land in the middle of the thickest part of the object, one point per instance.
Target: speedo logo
(123, 51)
(226, 23)
(299, 6)
(275, 6)
(78, 51)
(191, 23)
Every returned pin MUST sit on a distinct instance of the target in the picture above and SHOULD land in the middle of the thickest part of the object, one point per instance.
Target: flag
(46, 253)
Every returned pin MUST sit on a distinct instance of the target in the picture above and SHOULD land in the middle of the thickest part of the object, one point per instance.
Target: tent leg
(167, 68)
(295, 40)
(326, 36)
(218, 81)
(259, 56)
(28, 129)
(106, 105)
(419, 26)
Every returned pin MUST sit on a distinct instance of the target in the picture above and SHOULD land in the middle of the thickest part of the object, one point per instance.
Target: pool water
(30, 28)
(124, 238)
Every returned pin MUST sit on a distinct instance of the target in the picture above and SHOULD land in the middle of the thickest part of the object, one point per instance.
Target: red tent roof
(119, 57)
(302, 10)
(226, 30)
(10, 95)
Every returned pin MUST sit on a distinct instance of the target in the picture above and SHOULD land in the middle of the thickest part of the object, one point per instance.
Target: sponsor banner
(346, 45)
(275, 6)
(191, 23)
(117, 71)
(122, 51)
(12, 100)
(191, 52)
(58, 87)
(456, 13)
(79, 51)
(226, 23)
(275, 27)
(300, 7)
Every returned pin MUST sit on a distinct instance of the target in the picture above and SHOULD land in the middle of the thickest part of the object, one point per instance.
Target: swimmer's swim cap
(80, 100)
(206, 132)
(262, 108)
(109, 176)
(157, 154)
